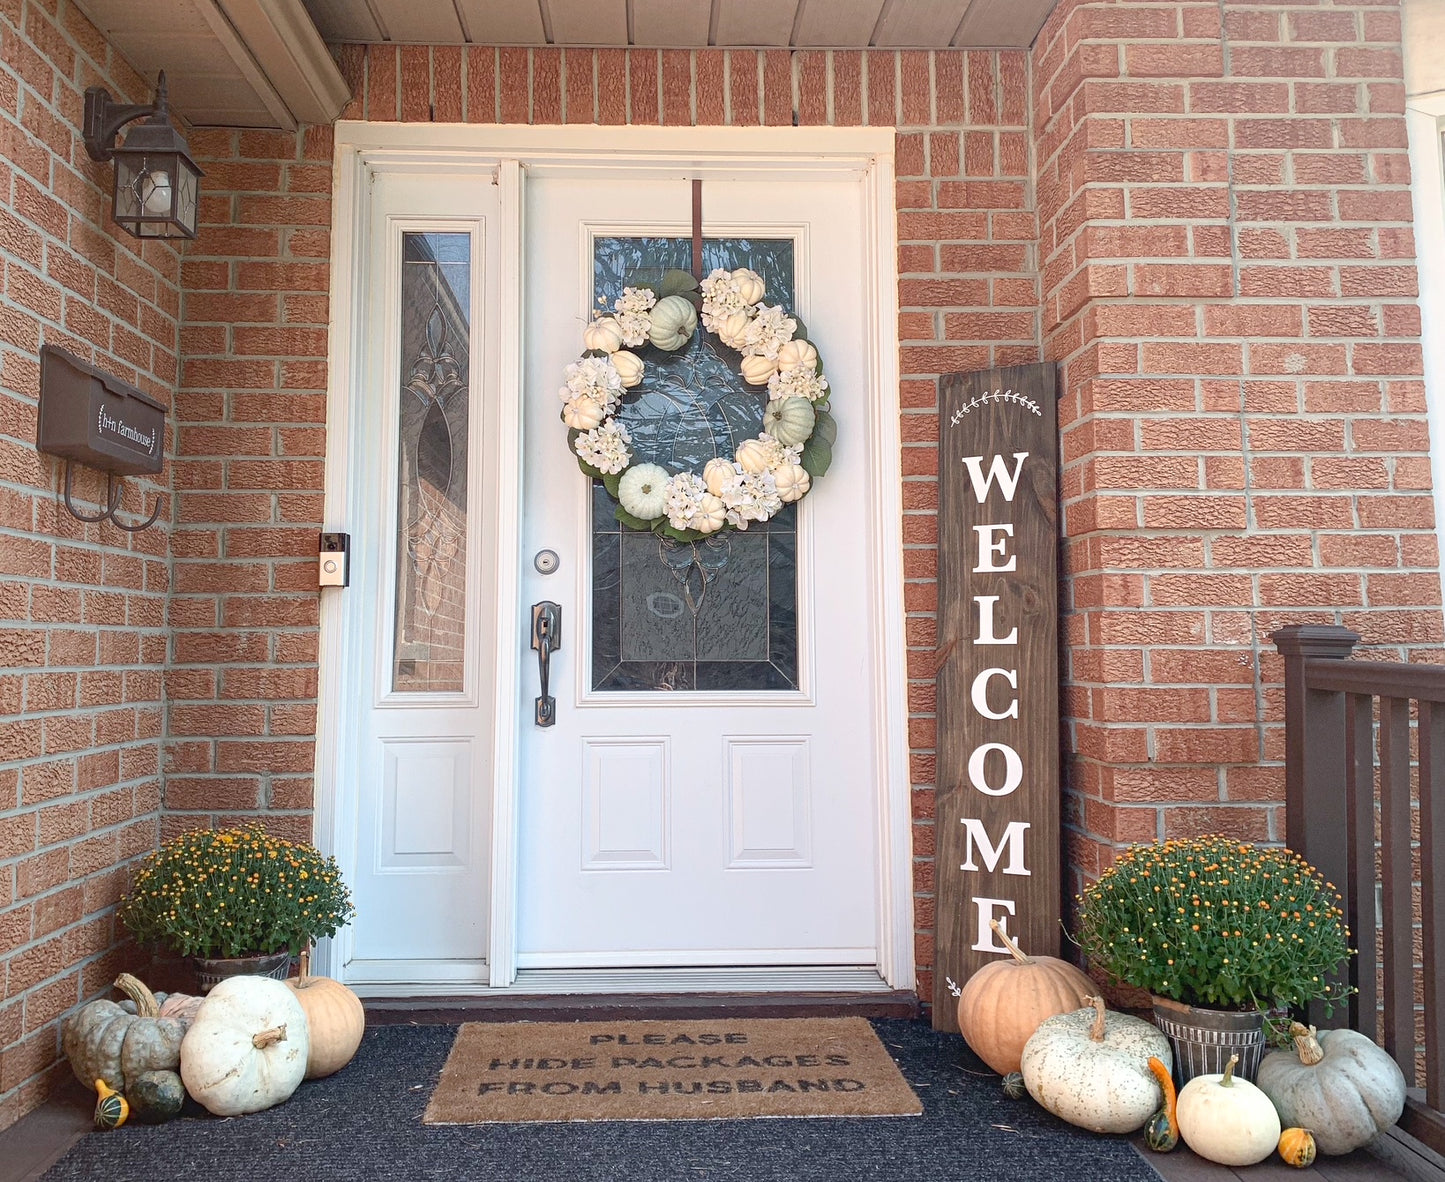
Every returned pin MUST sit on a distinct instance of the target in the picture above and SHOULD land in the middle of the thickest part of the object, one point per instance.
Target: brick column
(1229, 283)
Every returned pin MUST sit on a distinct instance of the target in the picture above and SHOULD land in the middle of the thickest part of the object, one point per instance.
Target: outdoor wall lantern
(157, 184)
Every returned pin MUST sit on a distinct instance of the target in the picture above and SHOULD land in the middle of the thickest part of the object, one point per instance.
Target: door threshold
(601, 1007)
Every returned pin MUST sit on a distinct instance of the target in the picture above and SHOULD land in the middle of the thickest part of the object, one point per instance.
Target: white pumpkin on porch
(247, 1048)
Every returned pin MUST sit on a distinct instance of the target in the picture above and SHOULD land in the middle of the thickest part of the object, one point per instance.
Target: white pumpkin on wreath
(776, 468)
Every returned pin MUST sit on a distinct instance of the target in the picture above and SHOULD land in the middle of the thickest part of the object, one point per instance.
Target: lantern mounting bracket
(104, 117)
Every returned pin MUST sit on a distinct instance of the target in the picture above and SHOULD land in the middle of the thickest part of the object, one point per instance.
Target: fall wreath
(765, 473)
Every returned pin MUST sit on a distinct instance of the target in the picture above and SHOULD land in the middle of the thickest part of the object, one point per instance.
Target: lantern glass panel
(155, 194)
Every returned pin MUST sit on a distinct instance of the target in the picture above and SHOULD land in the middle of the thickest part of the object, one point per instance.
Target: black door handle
(546, 639)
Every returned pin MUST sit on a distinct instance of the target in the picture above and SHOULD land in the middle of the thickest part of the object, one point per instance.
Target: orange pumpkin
(334, 1018)
(1004, 1002)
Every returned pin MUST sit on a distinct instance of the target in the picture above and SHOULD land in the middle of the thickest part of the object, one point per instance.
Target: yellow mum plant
(1210, 921)
(235, 892)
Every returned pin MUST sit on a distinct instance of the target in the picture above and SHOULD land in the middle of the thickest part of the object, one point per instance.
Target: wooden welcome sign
(997, 808)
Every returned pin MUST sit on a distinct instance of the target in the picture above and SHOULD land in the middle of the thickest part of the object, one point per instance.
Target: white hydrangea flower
(633, 320)
(768, 332)
(605, 447)
(636, 299)
(798, 383)
(595, 378)
(721, 296)
(634, 327)
(685, 492)
(751, 497)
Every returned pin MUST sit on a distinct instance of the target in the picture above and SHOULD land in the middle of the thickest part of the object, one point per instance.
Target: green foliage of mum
(235, 892)
(1214, 922)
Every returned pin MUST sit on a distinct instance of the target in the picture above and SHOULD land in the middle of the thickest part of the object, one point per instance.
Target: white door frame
(783, 153)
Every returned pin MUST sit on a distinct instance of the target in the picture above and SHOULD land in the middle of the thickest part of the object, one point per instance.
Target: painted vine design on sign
(998, 742)
(765, 473)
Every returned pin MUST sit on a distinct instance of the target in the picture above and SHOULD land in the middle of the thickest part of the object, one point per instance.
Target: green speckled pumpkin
(155, 1096)
(105, 1040)
(1091, 1068)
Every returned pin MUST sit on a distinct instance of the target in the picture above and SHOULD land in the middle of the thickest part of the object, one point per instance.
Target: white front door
(724, 787)
(708, 794)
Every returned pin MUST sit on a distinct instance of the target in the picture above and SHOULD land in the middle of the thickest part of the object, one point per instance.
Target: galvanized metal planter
(1204, 1039)
(210, 971)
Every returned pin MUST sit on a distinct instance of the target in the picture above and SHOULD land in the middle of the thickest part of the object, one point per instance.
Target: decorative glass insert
(721, 613)
(431, 550)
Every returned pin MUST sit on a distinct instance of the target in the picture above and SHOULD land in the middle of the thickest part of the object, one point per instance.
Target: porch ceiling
(264, 63)
(850, 24)
(228, 63)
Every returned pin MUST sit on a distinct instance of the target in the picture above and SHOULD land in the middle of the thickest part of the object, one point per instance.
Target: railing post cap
(1315, 640)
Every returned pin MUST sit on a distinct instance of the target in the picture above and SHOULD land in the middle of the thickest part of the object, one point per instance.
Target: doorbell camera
(335, 563)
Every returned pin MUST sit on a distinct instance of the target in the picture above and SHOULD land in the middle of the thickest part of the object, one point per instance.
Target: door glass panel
(721, 613)
(431, 548)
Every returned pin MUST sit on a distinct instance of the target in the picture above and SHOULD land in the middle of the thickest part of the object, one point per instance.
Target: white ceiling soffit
(229, 63)
(682, 24)
(1424, 43)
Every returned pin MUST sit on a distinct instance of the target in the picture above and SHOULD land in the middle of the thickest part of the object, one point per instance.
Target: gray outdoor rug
(366, 1122)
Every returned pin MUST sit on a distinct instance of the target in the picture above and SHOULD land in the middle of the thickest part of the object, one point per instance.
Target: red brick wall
(82, 607)
(250, 443)
(1229, 284)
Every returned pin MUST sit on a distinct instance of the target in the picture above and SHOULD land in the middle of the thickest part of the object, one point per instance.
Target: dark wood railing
(1348, 728)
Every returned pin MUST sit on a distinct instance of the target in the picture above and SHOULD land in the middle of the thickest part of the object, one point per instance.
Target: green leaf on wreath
(666, 529)
(630, 521)
(801, 332)
(589, 470)
(611, 481)
(818, 451)
(825, 426)
(676, 282)
(816, 458)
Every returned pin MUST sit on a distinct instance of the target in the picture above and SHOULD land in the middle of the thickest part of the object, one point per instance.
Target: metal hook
(113, 492)
(135, 529)
(112, 496)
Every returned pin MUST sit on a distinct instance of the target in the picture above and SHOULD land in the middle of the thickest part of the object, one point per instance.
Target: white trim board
(563, 982)
(362, 149)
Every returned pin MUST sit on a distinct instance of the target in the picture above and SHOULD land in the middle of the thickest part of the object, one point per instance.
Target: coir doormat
(692, 1070)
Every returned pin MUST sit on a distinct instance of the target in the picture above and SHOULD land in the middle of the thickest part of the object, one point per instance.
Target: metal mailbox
(92, 417)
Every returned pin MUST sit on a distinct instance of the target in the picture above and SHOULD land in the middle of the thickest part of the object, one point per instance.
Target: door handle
(546, 639)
